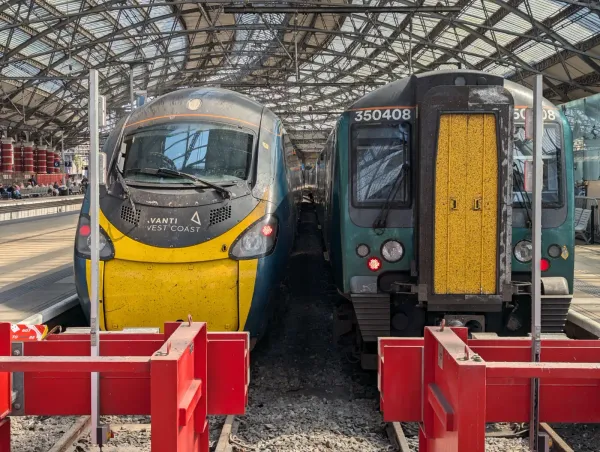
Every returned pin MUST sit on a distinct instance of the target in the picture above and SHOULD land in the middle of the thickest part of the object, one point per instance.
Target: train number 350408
(547, 114)
(395, 114)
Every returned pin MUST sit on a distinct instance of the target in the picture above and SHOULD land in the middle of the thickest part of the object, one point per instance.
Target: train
(423, 194)
(200, 194)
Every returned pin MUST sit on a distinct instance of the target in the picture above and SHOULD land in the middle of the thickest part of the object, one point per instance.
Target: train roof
(216, 104)
(222, 104)
(402, 92)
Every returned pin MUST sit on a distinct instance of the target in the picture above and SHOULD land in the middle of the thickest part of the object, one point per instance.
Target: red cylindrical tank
(18, 149)
(41, 160)
(49, 161)
(28, 166)
(7, 155)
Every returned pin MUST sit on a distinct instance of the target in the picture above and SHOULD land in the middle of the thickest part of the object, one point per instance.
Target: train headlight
(362, 250)
(83, 241)
(554, 251)
(256, 241)
(101, 242)
(524, 251)
(392, 251)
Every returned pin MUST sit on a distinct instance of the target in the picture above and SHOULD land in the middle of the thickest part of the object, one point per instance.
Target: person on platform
(16, 192)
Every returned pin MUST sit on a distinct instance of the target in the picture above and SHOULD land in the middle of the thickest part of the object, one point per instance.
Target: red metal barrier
(45, 179)
(178, 378)
(444, 382)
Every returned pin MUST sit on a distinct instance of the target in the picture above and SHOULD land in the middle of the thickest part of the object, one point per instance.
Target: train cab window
(380, 164)
(290, 153)
(523, 167)
(216, 153)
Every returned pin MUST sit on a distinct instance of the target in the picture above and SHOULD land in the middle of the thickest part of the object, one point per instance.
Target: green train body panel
(346, 263)
(335, 181)
(343, 255)
(563, 235)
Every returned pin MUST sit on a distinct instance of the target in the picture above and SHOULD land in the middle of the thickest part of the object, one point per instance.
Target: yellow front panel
(466, 207)
(473, 189)
(138, 294)
(123, 296)
(489, 226)
(440, 284)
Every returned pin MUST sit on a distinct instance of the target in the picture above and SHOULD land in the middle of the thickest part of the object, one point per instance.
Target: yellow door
(466, 205)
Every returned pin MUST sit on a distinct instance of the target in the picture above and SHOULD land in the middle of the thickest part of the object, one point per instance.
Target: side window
(290, 153)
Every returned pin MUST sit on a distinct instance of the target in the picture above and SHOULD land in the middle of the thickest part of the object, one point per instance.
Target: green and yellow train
(423, 194)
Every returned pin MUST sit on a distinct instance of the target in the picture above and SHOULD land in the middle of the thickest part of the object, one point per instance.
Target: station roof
(306, 60)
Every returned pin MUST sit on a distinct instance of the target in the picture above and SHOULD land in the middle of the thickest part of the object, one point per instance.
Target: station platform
(585, 307)
(15, 210)
(36, 267)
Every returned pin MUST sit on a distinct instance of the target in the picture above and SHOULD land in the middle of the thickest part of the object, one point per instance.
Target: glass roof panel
(345, 49)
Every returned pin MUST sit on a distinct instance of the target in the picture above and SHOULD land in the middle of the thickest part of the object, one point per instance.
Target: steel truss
(301, 58)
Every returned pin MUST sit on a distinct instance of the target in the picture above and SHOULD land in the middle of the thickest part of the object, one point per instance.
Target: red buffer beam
(178, 378)
(444, 382)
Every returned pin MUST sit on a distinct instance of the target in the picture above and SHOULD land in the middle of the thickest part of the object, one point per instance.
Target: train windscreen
(380, 153)
(212, 152)
(523, 167)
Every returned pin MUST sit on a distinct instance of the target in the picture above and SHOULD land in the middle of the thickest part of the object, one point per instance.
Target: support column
(96, 435)
(536, 298)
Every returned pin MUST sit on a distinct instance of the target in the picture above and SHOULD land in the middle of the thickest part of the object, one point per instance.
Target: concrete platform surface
(585, 307)
(4, 203)
(19, 210)
(36, 265)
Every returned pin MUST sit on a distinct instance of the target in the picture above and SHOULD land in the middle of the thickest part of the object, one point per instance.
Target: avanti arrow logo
(196, 218)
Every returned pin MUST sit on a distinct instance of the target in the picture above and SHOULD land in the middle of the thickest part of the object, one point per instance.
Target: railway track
(76, 437)
(399, 440)
(80, 427)
(226, 437)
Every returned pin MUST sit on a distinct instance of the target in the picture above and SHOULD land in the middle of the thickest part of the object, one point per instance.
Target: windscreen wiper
(381, 220)
(521, 186)
(120, 177)
(125, 189)
(223, 191)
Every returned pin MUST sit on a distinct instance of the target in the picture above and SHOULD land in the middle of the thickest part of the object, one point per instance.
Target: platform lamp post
(62, 157)
(536, 299)
(99, 433)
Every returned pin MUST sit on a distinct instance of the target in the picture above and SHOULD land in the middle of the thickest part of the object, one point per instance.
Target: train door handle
(453, 204)
(477, 204)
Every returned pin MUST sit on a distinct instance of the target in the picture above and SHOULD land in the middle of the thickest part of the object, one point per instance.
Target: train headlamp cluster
(374, 264)
(363, 250)
(83, 241)
(554, 251)
(392, 251)
(256, 241)
(524, 251)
